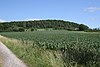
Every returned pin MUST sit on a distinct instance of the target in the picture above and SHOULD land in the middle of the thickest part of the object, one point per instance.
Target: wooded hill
(17, 26)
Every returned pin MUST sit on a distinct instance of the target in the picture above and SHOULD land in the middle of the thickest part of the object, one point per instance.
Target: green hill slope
(41, 24)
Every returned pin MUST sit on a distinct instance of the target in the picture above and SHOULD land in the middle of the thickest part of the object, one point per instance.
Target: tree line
(19, 26)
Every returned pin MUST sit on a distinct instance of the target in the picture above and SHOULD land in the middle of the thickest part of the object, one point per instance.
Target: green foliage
(83, 27)
(40, 24)
(93, 30)
(76, 48)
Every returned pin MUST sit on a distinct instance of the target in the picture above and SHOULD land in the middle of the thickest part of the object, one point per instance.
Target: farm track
(8, 59)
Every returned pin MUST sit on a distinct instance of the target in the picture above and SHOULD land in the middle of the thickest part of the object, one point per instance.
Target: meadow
(55, 48)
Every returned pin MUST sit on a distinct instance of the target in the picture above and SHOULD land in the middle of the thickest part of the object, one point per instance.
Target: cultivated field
(55, 48)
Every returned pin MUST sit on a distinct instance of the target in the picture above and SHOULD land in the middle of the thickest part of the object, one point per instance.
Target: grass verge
(33, 57)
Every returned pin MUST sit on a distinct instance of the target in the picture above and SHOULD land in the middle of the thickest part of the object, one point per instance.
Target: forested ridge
(41, 24)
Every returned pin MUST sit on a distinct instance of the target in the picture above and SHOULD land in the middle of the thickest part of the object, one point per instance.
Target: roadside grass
(0, 61)
(33, 57)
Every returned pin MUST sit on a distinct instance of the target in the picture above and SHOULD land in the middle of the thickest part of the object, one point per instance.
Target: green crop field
(56, 48)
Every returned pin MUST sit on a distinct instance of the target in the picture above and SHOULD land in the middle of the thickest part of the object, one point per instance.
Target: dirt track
(8, 59)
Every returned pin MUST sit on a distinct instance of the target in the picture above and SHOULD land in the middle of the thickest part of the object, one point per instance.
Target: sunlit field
(55, 48)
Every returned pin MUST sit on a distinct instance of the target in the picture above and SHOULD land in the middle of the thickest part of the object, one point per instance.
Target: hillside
(41, 24)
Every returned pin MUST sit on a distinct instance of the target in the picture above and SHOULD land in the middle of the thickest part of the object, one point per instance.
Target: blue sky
(79, 11)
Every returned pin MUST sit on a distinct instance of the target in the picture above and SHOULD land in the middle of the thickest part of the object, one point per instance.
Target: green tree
(83, 27)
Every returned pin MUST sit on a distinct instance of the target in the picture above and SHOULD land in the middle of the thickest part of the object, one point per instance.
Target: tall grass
(33, 57)
(55, 48)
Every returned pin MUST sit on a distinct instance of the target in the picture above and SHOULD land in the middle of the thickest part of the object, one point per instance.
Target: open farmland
(56, 48)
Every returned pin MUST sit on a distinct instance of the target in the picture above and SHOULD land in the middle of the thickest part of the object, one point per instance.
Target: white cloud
(92, 9)
(26, 19)
(1, 20)
(32, 19)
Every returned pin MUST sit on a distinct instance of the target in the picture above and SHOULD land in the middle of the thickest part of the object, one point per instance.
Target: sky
(79, 11)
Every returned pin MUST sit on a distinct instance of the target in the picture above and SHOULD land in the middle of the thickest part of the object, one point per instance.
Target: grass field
(55, 48)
